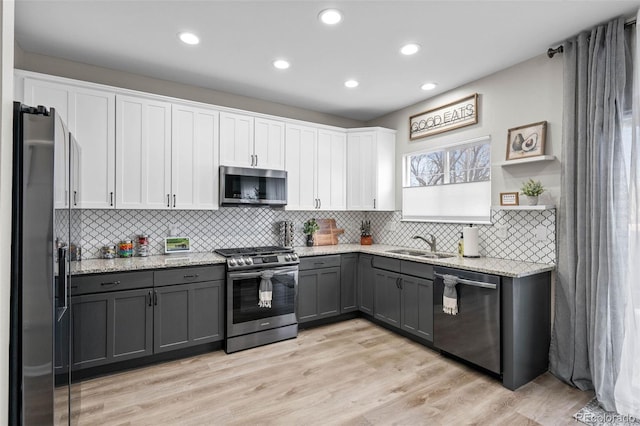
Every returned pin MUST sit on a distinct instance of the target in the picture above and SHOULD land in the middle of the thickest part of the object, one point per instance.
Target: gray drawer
(88, 284)
(386, 263)
(417, 269)
(317, 262)
(188, 275)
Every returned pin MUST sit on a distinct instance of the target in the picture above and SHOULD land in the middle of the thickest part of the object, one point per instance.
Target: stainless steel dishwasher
(474, 333)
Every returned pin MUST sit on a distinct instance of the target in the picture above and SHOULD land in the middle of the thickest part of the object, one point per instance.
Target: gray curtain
(592, 228)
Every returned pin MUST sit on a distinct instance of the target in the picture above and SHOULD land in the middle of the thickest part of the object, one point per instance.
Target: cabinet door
(361, 178)
(206, 313)
(348, 283)
(318, 294)
(194, 158)
(110, 327)
(365, 283)
(187, 315)
(331, 170)
(387, 297)
(300, 164)
(143, 153)
(385, 171)
(417, 306)
(92, 121)
(268, 144)
(236, 140)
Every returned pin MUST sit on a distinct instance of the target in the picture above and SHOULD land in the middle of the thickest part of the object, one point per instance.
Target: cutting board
(328, 233)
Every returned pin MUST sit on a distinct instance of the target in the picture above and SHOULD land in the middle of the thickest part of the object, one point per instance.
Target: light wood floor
(352, 372)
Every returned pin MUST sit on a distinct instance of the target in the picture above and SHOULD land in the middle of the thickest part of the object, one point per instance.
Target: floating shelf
(528, 160)
(537, 207)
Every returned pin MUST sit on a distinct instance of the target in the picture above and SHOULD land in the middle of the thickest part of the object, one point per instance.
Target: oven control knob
(294, 256)
(240, 261)
(287, 257)
(232, 262)
(248, 261)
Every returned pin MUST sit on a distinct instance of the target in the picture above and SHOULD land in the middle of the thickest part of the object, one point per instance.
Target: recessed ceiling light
(330, 16)
(281, 64)
(189, 38)
(429, 86)
(410, 49)
(351, 83)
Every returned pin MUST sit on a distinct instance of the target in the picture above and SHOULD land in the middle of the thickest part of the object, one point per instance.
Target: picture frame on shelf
(526, 141)
(509, 199)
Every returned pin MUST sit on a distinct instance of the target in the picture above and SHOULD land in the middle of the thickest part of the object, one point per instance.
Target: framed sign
(509, 199)
(526, 141)
(463, 112)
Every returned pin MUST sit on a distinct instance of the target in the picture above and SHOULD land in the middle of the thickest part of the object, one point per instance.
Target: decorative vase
(532, 200)
(366, 241)
(309, 240)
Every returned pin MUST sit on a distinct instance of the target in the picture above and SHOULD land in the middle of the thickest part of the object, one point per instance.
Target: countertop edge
(502, 267)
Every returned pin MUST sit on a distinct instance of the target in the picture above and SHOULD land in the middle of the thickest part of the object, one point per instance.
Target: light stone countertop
(507, 268)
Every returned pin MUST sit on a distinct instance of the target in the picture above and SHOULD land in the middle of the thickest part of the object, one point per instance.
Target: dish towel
(265, 290)
(450, 295)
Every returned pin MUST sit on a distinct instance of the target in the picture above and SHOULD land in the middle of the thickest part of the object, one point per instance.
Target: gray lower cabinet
(387, 297)
(348, 283)
(417, 306)
(403, 295)
(187, 315)
(365, 288)
(318, 288)
(111, 327)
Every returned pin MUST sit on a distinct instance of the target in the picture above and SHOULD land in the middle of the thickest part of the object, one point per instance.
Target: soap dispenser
(461, 245)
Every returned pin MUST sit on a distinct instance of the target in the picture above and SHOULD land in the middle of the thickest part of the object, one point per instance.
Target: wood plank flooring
(352, 373)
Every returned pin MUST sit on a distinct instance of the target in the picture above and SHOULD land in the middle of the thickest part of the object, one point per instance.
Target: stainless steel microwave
(244, 186)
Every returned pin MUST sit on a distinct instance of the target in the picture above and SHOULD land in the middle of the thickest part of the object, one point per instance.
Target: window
(451, 184)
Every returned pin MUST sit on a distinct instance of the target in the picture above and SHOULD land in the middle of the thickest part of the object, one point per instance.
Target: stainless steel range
(262, 289)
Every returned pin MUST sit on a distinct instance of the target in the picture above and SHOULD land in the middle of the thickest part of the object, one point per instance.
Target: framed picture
(454, 115)
(526, 141)
(509, 199)
(177, 245)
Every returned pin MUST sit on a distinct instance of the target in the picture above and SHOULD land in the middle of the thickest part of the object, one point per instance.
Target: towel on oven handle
(266, 290)
(450, 295)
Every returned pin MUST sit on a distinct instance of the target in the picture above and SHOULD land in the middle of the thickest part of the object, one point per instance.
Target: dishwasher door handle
(471, 282)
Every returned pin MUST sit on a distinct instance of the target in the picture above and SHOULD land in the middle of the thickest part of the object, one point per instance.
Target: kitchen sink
(421, 253)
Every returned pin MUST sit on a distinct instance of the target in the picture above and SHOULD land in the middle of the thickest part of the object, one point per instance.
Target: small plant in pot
(531, 190)
(365, 233)
(310, 227)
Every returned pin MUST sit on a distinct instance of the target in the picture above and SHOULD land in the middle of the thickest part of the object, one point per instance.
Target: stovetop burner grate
(250, 251)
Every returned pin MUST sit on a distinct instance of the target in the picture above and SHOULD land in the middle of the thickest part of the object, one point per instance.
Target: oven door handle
(277, 271)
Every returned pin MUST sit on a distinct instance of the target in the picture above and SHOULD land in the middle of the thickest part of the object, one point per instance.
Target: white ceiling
(461, 42)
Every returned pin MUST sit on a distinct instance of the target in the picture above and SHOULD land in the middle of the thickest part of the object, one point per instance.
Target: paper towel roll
(470, 242)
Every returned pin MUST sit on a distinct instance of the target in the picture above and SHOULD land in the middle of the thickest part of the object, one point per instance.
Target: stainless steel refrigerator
(42, 229)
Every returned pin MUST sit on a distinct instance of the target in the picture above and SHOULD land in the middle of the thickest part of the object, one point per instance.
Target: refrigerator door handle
(63, 282)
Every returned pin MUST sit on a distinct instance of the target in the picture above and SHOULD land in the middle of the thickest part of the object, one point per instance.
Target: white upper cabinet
(90, 116)
(246, 141)
(268, 145)
(316, 167)
(331, 170)
(194, 158)
(371, 169)
(143, 148)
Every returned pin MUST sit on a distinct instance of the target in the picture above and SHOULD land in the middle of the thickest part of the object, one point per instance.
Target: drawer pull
(111, 283)
(191, 277)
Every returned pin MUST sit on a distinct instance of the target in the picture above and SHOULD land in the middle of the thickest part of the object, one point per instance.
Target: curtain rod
(551, 51)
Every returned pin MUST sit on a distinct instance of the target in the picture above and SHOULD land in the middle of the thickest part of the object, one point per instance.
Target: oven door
(244, 315)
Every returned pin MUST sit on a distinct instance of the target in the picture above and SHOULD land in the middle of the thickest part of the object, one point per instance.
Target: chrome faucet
(432, 242)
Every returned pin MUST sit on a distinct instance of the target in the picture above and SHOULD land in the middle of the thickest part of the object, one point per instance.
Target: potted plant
(310, 228)
(365, 233)
(531, 190)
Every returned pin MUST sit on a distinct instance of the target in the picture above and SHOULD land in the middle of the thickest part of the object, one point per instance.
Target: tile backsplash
(515, 234)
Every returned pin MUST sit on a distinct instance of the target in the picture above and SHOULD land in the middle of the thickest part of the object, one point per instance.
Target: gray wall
(79, 71)
(525, 93)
